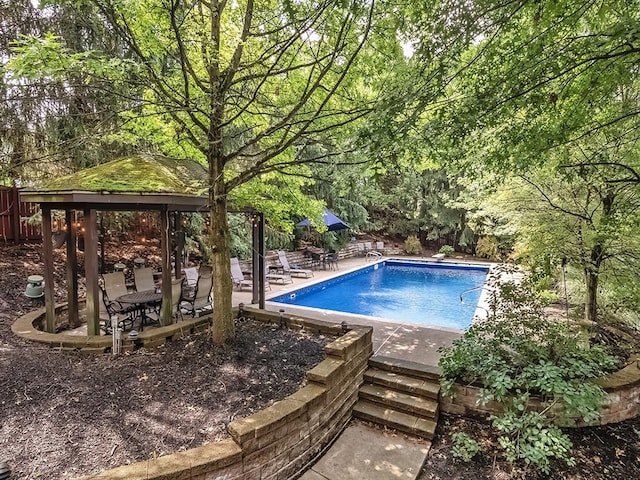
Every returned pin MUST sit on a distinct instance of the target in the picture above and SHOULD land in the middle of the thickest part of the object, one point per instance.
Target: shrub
(487, 247)
(447, 250)
(464, 447)
(516, 353)
(412, 245)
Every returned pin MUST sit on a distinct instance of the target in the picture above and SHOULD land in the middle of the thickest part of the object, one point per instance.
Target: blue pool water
(406, 291)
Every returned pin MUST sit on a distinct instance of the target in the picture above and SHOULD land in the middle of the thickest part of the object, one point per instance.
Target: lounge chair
(380, 247)
(362, 251)
(282, 278)
(144, 279)
(292, 270)
(237, 276)
(200, 301)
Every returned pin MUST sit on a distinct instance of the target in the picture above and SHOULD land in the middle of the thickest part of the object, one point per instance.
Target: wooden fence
(13, 217)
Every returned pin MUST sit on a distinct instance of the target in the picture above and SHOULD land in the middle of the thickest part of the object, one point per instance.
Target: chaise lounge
(294, 270)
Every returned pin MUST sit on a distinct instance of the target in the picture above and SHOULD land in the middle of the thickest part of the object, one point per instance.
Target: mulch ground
(65, 414)
(610, 452)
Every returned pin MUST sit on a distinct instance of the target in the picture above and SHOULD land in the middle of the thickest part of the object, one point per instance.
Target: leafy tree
(50, 125)
(548, 93)
(243, 86)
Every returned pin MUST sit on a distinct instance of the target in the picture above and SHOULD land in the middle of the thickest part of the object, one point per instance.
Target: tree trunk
(591, 273)
(223, 328)
(590, 305)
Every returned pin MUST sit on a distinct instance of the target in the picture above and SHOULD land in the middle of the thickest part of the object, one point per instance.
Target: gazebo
(136, 183)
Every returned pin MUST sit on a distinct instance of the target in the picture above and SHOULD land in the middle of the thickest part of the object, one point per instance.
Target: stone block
(313, 395)
(273, 465)
(328, 372)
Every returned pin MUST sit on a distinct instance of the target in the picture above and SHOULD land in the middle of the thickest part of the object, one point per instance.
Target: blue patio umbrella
(332, 222)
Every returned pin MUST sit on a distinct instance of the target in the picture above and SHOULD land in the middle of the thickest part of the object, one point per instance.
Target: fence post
(15, 214)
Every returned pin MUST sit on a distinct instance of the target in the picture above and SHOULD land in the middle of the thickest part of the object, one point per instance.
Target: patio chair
(362, 251)
(380, 247)
(237, 276)
(200, 301)
(114, 286)
(292, 270)
(191, 275)
(176, 297)
(143, 278)
(315, 259)
(332, 260)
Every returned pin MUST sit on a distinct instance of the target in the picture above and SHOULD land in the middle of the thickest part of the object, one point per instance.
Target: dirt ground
(65, 414)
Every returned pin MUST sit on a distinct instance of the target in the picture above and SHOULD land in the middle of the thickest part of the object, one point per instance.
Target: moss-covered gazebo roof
(133, 182)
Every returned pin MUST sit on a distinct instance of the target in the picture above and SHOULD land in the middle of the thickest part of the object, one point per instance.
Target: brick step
(404, 367)
(404, 383)
(405, 422)
(404, 402)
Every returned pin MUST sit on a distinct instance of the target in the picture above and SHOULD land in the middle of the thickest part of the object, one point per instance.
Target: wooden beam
(72, 270)
(258, 273)
(255, 259)
(47, 253)
(178, 235)
(165, 245)
(91, 271)
(262, 249)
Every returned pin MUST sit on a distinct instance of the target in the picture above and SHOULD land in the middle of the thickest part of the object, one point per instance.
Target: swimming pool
(424, 293)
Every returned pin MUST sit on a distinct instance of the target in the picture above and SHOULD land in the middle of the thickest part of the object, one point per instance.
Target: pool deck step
(403, 383)
(405, 367)
(400, 401)
(400, 394)
(405, 422)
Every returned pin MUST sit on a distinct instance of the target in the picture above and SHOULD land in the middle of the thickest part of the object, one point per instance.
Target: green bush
(447, 250)
(464, 447)
(412, 245)
(487, 247)
(516, 353)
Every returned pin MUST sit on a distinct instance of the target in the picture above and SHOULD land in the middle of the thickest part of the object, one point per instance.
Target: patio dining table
(142, 301)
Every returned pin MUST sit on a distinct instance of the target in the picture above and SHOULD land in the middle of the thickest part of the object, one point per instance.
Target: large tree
(242, 86)
(55, 125)
(551, 87)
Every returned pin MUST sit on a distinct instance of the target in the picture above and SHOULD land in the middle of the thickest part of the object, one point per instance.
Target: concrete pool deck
(392, 339)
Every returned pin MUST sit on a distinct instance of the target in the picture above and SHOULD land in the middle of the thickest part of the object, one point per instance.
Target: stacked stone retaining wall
(622, 387)
(279, 441)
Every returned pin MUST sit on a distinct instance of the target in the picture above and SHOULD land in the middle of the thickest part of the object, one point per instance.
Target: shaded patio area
(138, 183)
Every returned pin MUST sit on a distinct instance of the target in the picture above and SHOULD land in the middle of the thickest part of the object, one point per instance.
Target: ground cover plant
(517, 353)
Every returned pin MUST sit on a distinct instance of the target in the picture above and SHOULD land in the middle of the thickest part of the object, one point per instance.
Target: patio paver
(362, 452)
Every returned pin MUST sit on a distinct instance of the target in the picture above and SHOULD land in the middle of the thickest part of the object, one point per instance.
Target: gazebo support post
(72, 270)
(165, 242)
(258, 273)
(47, 253)
(91, 270)
(179, 244)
